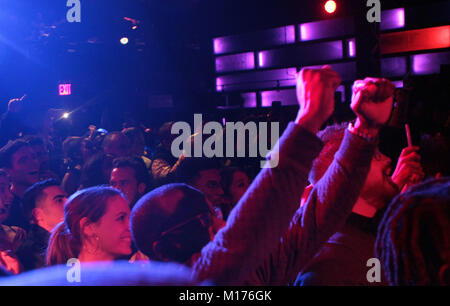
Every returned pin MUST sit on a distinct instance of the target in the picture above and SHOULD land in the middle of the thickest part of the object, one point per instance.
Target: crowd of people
(333, 202)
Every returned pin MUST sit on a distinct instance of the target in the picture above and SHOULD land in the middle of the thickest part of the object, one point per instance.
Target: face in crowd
(208, 182)
(124, 179)
(239, 185)
(49, 210)
(110, 235)
(379, 189)
(24, 167)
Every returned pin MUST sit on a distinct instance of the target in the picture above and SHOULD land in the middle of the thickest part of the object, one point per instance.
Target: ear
(37, 214)
(141, 188)
(305, 194)
(86, 228)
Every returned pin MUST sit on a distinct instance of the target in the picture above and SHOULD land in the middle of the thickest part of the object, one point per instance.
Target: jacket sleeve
(325, 212)
(262, 216)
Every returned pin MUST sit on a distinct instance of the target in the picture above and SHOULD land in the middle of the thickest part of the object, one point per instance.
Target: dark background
(169, 53)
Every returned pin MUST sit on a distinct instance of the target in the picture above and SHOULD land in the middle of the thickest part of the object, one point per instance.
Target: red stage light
(330, 7)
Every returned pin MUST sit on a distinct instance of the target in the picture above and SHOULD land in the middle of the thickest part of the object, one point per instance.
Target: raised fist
(372, 101)
(315, 95)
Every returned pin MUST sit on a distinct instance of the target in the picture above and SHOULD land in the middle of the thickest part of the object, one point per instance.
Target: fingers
(324, 74)
(377, 89)
(410, 153)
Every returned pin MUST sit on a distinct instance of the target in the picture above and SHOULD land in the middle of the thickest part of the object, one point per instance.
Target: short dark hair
(150, 217)
(8, 150)
(137, 164)
(132, 133)
(331, 137)
(108, 138)
(226, 175)
(414, 235)
(33, 195)
(190, 167)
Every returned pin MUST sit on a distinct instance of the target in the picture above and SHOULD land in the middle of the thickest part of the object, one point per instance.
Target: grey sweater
(262, 244)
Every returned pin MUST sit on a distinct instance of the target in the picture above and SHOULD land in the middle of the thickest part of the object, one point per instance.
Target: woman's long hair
(65, 241)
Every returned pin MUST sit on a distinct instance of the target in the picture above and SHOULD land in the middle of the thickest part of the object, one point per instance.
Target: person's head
(137, 140)
(43, 204)
(4, 209)
(19, 160)
(235, 183)
(171, 223)
(96, 222)
(41, 151)
(413, 242)
(116, 144)
(165, 135)
(97, 170)
(203, 174)
(6, 197)
(378, 188)
(72, 148)
(130, 176)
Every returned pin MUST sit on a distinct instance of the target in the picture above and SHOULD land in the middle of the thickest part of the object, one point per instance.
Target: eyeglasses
(205, 219)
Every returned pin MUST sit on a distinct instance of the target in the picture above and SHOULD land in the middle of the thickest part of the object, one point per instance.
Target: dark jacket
(31, 253)
(343, 260)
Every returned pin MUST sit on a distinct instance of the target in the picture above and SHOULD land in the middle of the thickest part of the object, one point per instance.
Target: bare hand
(372, 101)
(9, 262)
(408, 170)
(315, 95)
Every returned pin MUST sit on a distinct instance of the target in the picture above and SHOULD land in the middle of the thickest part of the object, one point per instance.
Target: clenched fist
(372, 101)
(315, 95)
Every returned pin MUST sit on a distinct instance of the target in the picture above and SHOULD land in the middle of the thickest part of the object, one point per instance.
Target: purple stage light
(304, 32)
(219, 84)
(326, 29)
(219, 45)
(257, 80)
(398, 84)
(290, 34)
(429, 63)
(249, 99)
(235, 62)
(301, 54)
(393, 66)
(261, 59)
(351, 48)
(256, 40)
(285, 96)
(392, 19)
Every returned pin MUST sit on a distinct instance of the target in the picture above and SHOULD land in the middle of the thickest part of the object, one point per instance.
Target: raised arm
(334, 195)
(262, 216)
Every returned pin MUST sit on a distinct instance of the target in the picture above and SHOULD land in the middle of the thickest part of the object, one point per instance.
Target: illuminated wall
(262, 66)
